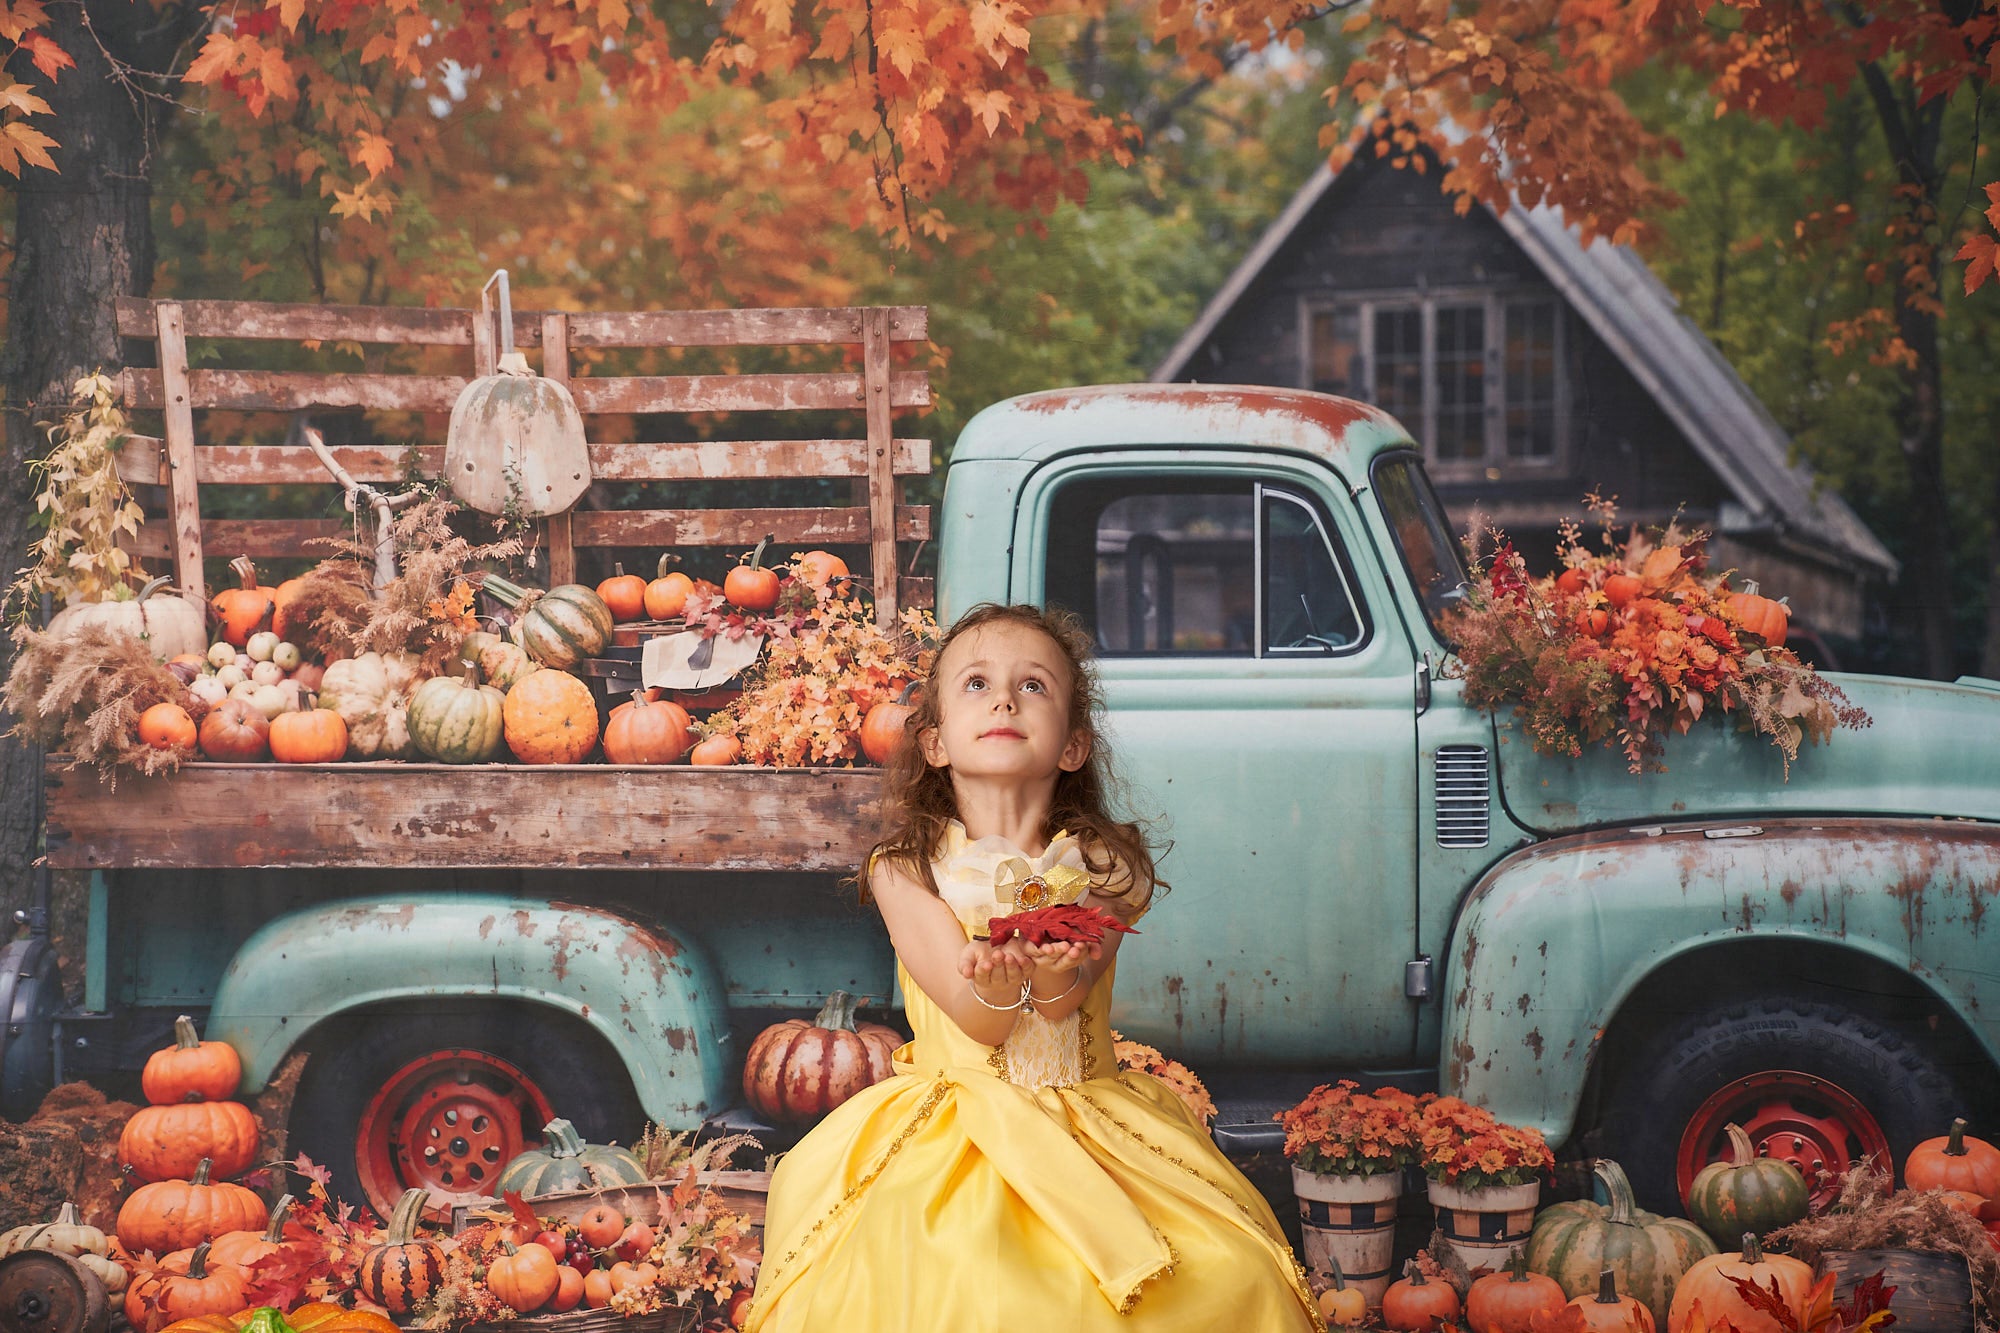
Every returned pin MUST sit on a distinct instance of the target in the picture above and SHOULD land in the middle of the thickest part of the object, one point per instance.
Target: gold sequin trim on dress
(1084, 1043)
(1131, 1300)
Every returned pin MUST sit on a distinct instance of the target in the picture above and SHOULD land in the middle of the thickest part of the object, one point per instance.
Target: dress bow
(1019, 887)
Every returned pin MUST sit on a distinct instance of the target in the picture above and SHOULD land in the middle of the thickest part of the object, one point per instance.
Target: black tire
(578, 1073)
(1903, 1081)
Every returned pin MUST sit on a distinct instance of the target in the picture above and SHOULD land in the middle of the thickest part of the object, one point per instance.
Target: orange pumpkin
(244, 1248)
(602, 1225)
(1760, 615)
(1621, 589)
(1708, 1282)
(185, 1286)
(1956, 1161)
(1341, 1305)
(667, 594)
(1418, 1305)
(715, 751)
(320, 1317)
(624, 593)
(282, 598)
(549, 717)
(524, 1277)
(170, 1215)
(406, 1269)
(750, 585)
(597, 1288)
(885, 728)
(308, 736)
(1508, 1301)
(191, 1070)
(169, 1142)
(242, 611)
(167, 727)
(569, 1289)
(235, 733)
(1608, 1312)
(626, 1276)
(798, 1070)
(646, 732)
(824, 570)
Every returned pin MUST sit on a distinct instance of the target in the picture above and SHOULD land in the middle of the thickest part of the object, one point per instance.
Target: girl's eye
(975, 682)
(1034, 685)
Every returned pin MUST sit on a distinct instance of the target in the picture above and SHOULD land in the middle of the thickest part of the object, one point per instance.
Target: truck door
(1261, 699)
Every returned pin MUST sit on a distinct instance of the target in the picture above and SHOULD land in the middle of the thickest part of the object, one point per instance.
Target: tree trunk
(83, 236)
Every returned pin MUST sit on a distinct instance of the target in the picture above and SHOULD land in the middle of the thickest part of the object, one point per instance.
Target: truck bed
(400, 815)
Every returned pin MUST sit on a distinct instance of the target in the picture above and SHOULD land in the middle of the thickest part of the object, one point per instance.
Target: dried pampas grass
(84, 693)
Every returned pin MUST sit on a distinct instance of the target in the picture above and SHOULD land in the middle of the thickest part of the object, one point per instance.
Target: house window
(1477, 376)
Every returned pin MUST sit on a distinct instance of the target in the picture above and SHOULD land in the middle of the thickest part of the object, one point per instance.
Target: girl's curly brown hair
(918, 801)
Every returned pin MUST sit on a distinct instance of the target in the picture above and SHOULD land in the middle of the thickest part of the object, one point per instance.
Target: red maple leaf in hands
(1065, 923)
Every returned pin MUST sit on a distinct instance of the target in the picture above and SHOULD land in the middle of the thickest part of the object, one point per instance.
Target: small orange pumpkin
(624, 593)
(244, 1248)
(569, 1289)
(824, 570)
(242, 611)
(167, 727)
(1621, 589)
(885, 728)
(170, 1215)
(717, 751)
(524, 1277)
(597, 1288)
(320, 1317)
(1708, 1282)
(798, 1070)
(186, 1285)
(282, 598)
(406, 1269)
(1343, 1306)
(1418, 1305)
(191, 1070)
(1608, 1312)
(549, 717)
(309, 736)
(1508, 1301)
(169, 1142)
(667, 594)
(1954, 1161)
(646, 732)
(235, 733)
(750, 585)
(1761, 616)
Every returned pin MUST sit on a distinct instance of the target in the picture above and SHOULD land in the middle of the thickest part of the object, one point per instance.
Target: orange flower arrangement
(1339, 1131)
(1630, 641)
(1180, 1080)
(1463, 1145)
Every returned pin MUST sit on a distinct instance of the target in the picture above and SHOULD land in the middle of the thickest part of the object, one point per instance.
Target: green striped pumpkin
(503, 663)
(457, 721)
(1575, 1242)
(1747, 1192)
(562, 626)
(566, 1162)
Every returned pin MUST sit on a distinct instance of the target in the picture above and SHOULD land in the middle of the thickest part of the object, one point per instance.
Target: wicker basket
(678, 1319)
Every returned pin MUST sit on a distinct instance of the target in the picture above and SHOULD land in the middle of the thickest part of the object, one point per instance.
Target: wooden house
(1533, 369)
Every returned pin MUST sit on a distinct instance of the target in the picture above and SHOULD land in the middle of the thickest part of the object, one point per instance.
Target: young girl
(1009, 1176)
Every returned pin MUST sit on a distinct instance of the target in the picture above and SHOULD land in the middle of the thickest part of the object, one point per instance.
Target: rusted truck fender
(650, 992)
(1553, 940)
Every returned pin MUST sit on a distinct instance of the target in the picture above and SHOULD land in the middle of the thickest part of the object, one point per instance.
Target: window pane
(1307, 606)
(1155, 566)
(1531, 379)
(1461, 382)
(1423, 535)
(1336, 352)
(1398, 386)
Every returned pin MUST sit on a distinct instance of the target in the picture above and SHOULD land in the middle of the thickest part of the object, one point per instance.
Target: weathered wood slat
(183, 490)
(738, 527)
(140, 462)
(740, 393)
(739, 328)
(329, 323)
(882, 487)
(404, 815)
(556, 527)
(919, 592)
(285, 391)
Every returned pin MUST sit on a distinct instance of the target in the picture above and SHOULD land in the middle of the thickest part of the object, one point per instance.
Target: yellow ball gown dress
(1030, 1186)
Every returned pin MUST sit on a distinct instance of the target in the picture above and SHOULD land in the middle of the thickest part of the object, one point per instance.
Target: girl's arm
(931, 943)
(1059, 965)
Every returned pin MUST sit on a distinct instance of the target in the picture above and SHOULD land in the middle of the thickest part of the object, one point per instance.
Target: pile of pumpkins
(1621, 1268)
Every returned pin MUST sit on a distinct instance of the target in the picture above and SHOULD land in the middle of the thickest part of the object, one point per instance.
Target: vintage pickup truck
(1368, 876)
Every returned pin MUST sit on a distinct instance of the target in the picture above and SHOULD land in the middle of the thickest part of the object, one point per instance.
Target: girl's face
(1003, 707)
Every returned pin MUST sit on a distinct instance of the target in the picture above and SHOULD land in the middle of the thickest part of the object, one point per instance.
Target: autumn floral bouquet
(1625, 643)
(1180, 1080)
(1339, 1130)
(1464, 1146)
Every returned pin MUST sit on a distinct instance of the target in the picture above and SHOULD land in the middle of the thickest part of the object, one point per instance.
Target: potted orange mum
(1485, 1179)
(1348, 1149)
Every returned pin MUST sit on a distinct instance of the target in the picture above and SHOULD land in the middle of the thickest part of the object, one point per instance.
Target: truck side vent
(1463, 809)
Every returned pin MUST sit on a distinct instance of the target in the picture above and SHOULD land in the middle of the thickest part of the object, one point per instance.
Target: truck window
(1423, 535)
(1174, 566)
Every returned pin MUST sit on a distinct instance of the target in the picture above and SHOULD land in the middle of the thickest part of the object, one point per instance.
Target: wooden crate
(744, 1192)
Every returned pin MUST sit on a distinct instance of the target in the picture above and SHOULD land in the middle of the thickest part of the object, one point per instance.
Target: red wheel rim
(1817, 1126)
(446, 1122)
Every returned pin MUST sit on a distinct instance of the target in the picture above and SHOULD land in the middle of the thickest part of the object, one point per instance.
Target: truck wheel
(444, 1100)
(1817, 1084)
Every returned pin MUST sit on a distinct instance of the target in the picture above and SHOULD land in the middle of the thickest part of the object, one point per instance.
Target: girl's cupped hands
(997, 969)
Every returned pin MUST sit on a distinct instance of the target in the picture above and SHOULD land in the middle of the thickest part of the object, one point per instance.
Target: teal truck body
(1369, 878)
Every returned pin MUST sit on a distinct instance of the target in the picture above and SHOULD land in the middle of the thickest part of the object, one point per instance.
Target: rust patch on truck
(1331, 414)
(568, 932)
(1533, 1041)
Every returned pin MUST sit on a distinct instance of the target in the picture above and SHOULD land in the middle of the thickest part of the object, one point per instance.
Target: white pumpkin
(372, 695)
(170, 624)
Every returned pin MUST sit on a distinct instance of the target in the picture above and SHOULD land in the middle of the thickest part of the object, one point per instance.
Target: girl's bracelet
(1028, 992)
(1005, 1008)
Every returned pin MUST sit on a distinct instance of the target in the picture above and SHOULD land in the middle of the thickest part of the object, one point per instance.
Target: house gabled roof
(1627, 307)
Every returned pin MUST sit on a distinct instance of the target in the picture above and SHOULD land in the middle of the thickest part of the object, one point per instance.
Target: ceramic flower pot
(1350, 1220)
(1484, 1223)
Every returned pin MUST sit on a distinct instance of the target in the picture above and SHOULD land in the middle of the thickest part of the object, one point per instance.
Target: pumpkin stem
(562, 1139)
(1339, 1278)
(510, 594)
(185, 1037)
(1753, 1253)
(280, 1211)
(1954, 1144)
(1607, 1287)
(617, 570)
(1517, 1265)
(1618, 1189)
(667, 561)
(245, 571)
(152, 586)
(403, 1221)
(757, 556)
(837, 1014)
(201, 1172)
(909, 692)
(1741, 1151)
(198, 1262)
(1414, 1275)
(67, 1216)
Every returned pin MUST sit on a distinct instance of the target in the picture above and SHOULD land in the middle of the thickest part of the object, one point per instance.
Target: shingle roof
(1626, 306)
